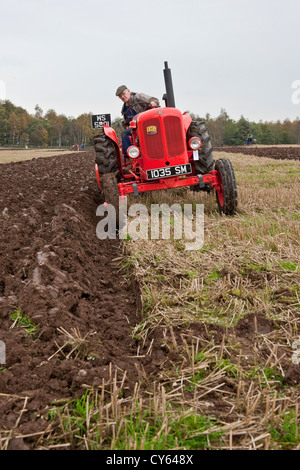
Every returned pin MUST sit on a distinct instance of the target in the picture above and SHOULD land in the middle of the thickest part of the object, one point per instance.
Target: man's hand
(153, 104)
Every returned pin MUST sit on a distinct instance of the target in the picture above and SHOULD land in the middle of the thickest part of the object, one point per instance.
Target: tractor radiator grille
(153, 141)
(172, 128)
(173, 131)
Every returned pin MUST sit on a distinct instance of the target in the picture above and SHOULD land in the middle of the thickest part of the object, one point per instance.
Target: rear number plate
(169, 171)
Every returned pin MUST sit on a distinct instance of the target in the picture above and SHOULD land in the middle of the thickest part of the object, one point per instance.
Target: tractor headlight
(195, 143)
(133, 151)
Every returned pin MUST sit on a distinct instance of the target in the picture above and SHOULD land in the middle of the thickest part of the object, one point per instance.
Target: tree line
(19, 128)
(225, 131)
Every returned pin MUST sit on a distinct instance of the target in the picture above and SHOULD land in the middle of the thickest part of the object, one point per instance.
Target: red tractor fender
(186, 121)
(111, 134)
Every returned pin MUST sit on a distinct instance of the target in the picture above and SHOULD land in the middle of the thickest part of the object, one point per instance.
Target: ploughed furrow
(66, 309)
(276, 152)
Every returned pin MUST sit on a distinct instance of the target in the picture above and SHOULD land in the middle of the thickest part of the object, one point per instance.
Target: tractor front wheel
(227, 192)
(206, 160)
(106, 154)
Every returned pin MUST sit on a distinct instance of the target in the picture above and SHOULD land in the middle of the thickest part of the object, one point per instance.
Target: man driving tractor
(166, 149)
(134, 103)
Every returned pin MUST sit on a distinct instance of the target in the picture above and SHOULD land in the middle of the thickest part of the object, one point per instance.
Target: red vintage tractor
(169, 150)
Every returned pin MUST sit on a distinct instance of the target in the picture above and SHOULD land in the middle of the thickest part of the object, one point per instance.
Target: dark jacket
(139, 103)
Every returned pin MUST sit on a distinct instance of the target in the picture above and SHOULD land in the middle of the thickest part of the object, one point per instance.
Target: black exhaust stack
(169, 95)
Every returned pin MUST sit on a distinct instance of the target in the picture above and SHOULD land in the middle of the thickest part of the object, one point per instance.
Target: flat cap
(121, 89)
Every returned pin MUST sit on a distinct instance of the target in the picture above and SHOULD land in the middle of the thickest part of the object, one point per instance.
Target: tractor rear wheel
(227, 194)
(206, 160)
(106, 154)
(109, 185)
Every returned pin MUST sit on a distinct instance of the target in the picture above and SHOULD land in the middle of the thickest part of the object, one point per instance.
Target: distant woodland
(19, 128)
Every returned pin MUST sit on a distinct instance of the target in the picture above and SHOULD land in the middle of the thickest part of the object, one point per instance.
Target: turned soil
(279, 153)
(56, 272)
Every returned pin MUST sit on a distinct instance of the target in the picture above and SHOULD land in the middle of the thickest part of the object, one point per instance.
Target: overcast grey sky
(71, 55)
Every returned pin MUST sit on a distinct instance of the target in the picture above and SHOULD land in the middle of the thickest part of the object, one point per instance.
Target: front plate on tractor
(169, 171)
